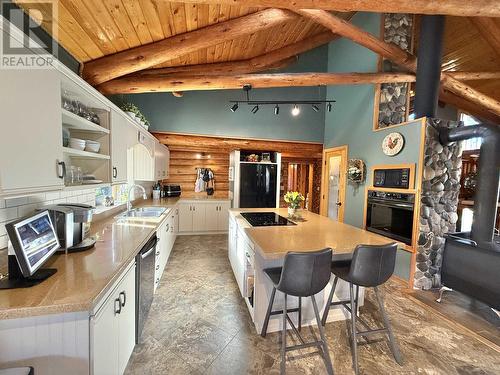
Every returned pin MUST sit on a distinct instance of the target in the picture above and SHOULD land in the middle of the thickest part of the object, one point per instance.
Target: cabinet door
(143, 163)
(223, 216)
(212, 214)
(31, 141)
(105, 339)
(185, 217)
(121, 134)
(126, 319)
(162, 156)
(199, 219)
(167, 162)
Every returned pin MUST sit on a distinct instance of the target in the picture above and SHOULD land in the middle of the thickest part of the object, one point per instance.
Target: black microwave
(397, 178)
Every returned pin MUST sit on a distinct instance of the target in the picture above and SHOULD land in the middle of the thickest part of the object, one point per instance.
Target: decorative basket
(356, 170)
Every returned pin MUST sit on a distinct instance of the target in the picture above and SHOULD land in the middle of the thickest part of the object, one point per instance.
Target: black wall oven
(391, 215)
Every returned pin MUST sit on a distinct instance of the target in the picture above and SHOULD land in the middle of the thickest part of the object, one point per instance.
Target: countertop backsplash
(15, 208)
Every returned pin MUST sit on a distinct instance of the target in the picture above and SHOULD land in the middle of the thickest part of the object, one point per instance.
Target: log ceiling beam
(489, 30)
(276, 59)
(398, 56)
(490, 8)
(473, 76)
(149, 55)
(169, 83)
(465, 105)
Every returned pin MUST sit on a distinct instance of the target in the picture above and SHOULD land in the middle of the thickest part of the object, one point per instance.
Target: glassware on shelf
(67, 101)
(74, 176)
(79, 176)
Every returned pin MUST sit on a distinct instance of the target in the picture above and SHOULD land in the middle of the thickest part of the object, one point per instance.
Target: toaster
(171, 191)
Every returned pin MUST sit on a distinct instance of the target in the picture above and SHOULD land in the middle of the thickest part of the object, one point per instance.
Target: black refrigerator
(258, 184)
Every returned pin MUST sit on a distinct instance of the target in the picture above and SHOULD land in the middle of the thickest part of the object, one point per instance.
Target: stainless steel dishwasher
(145, 274)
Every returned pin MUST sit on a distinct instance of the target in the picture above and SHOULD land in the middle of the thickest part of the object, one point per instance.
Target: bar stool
(302, 275)
(369, 266)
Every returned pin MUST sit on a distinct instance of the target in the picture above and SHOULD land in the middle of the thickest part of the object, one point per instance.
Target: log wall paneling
(188, 152)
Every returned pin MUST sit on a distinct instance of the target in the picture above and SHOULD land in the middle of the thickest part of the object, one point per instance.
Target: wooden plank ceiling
(90, 29)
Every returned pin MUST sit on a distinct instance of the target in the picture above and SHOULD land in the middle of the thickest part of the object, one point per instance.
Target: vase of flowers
(293, 199)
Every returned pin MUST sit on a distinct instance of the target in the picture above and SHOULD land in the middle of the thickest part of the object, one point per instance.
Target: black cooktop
(265, 219)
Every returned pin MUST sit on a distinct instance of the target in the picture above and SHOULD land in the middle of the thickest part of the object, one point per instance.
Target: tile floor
(198, 324)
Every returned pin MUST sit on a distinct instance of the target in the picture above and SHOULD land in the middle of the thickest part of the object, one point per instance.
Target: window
(474, 143)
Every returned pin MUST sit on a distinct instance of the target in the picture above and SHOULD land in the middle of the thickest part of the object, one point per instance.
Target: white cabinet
(162, 161)
(143, 163)
(217, 216)
(31, 141)
(202, 216)
(113, 328)
(123, 135)
(166, 234)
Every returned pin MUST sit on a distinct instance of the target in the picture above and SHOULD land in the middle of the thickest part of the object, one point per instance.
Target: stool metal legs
(351, 306)
(268, 313)
(392, 341)
(283, 341)
(286, 319)
(354, 339)
(326, 353)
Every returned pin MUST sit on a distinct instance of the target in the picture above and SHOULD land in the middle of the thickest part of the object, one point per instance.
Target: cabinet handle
(115, 172)
(177, 211)
(158, 252)
(124, 295)
(157, 267)
(119, 310)
(63, 169)
(172, 229)
(167, 228)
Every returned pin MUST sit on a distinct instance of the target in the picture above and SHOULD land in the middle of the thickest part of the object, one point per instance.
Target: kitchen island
(252, 249)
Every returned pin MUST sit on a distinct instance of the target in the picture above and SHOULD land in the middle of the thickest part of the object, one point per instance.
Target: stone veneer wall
(398, 29)
(438, 202)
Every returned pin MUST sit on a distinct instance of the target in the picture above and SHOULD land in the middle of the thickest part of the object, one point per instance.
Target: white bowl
(92, 146)
(77, 144)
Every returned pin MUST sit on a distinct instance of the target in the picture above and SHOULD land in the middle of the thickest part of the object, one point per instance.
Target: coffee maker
(72, 225)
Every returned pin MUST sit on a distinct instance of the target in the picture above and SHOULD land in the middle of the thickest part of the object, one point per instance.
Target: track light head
(295, 110)
(329, 107)
(276, 110)
(255, 109)
(234, 107)
(315, 108)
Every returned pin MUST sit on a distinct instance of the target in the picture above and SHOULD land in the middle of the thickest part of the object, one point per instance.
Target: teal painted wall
(351, 123)
(207, 112)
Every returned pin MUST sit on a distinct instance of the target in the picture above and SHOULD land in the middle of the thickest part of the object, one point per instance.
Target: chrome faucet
(144, 196)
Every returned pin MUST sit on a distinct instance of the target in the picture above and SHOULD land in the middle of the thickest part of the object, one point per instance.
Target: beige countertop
(315, 232)
(83, 278)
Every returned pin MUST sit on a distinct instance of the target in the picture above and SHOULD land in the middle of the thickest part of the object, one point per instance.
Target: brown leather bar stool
(302, 275)
(370, 266)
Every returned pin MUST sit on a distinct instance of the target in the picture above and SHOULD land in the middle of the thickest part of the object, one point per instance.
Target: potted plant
(130, 109)
(293, 198)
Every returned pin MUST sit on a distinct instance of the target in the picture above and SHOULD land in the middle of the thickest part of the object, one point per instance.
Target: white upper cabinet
(123, 137)
(162, 161)
(31, 140)
(143, 163)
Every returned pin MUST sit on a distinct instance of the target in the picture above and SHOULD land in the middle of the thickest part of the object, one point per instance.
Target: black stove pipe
(430, 52)
(488, 179)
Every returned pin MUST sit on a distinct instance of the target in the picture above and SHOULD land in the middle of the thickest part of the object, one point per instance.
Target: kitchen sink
(144, 212)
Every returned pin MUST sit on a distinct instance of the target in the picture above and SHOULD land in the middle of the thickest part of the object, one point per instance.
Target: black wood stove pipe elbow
(486, 196)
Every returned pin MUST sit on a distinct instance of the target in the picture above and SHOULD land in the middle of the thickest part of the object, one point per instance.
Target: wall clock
(393, 144)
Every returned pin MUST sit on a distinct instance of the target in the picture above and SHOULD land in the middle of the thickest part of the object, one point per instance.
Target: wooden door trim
(344, 152)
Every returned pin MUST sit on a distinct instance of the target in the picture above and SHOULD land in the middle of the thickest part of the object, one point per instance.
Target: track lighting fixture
(315, 104)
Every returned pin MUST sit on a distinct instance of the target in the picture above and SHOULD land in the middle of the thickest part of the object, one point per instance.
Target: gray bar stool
(302, 275)
(369, 266)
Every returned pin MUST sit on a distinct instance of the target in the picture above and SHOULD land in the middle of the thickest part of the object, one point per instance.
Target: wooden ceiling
(466, 50)
(93, 29)
(90, 29)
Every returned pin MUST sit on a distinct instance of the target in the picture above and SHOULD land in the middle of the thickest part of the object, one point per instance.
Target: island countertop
(313, 232)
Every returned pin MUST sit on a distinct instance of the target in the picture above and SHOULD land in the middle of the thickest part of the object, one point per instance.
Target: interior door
(334, 180)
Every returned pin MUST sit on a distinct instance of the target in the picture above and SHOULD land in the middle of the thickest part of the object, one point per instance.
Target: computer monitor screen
(34, 240)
